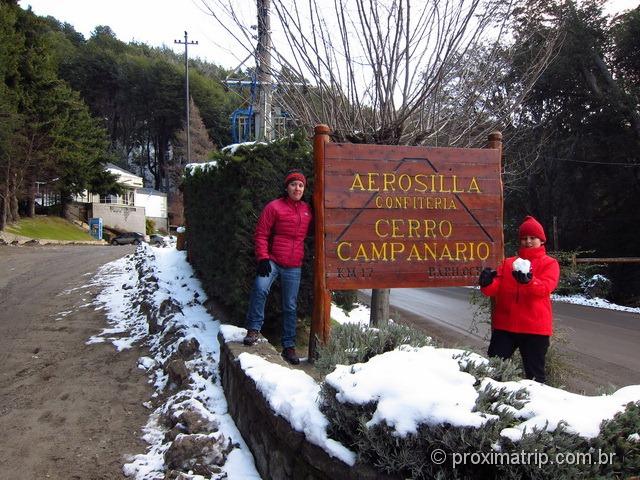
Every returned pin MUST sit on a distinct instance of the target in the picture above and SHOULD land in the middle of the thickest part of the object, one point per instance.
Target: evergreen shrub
(621, 435)
(353, 343)
(222, 202)
(574, 277)
(597, 286)
(410, 456)
(149, 226)
(345, 299)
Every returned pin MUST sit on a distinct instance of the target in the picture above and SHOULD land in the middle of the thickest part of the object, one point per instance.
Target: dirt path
(68, 410)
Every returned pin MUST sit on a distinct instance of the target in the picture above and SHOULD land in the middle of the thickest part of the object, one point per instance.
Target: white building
(155, 206)
(128, 211)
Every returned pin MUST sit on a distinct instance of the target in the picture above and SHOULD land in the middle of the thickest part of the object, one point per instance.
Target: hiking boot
(289, 354)
(251, 338)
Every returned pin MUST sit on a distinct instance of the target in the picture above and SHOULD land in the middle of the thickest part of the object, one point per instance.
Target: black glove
(522, 277)
(264, 268)
(486, 277)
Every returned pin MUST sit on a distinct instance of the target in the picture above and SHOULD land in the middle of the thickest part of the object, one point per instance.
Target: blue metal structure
(243, 119)
(95, 228)
(245, 134)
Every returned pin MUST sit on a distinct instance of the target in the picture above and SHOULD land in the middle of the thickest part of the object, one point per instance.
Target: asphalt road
(601, 344)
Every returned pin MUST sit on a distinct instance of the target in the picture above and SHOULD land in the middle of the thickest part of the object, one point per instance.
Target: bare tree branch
(393, 71)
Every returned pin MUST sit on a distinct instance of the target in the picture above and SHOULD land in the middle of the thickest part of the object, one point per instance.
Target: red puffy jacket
(525, 308)
(281, 230)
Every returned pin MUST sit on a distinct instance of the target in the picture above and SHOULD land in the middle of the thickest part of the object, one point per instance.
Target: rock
(172, 434)
(171, 335)
(195, 422)
(188, 348)
(176, 475)
(169, 307)
(198, 453)
(178, 372)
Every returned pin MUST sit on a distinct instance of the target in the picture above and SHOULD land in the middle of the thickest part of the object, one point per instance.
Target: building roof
(150, 191)
(124, 176)
(111, 166)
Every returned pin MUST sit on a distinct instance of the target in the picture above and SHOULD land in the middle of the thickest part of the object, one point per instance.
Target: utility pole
(186, 44)
(263, 127)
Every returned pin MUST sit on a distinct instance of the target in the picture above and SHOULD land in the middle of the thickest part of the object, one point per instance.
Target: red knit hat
(294, 175)
(531, 228)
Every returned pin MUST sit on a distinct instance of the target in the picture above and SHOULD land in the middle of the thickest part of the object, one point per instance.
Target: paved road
(602, 344)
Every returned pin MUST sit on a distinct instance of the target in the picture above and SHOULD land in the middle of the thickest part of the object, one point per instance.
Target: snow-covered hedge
(427, 412)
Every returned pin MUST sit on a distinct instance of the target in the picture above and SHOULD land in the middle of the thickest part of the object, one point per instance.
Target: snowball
(522, 265)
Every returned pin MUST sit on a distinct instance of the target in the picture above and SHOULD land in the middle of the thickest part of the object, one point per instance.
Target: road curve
(602, 344)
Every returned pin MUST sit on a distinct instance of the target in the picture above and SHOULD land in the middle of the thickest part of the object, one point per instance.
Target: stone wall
(280, 452)
(120, 217)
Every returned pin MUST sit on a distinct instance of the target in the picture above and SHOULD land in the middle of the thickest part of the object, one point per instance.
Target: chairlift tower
(259, 115)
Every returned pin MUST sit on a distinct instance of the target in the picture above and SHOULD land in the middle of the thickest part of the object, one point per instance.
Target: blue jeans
(289, 283)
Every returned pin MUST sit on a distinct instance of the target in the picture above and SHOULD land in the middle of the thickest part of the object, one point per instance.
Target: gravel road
(68, 410)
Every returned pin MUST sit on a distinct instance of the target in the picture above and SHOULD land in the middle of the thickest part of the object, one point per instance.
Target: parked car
(159, 240)
(128, 238)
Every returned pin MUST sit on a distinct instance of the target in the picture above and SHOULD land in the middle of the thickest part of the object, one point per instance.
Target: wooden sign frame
(389, 216)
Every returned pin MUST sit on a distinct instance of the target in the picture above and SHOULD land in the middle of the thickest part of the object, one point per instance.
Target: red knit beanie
(294, 175)
(531, 228)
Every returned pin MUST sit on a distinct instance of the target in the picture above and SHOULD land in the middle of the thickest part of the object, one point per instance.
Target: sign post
(321, 319)
(389, 216)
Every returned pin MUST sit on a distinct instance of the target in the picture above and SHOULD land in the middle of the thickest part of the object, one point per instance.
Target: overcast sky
(158, 22)
(154, 22)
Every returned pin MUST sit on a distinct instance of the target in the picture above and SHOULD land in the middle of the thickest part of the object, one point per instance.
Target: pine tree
(201, 149)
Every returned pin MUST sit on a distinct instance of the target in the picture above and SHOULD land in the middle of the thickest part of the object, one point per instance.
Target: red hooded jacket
(525, 308)
(281, 230)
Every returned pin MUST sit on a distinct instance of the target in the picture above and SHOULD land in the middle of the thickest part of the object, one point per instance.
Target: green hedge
(222, 202)
(410, 456)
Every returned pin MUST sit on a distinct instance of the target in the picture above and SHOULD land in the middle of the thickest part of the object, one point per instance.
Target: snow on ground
(176, 280)
(593, 302)
(448, 395)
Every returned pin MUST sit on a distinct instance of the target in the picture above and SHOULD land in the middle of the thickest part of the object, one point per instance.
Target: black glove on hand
(264, 268)
(522, 277)
(486, 277)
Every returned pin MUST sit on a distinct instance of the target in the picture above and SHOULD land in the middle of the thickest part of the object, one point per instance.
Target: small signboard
(95, 228)
(400, 216)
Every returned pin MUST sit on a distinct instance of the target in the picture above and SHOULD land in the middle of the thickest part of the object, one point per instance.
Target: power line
(620, 164)
(186, 44)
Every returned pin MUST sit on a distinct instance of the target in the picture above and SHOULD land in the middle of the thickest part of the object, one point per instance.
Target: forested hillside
(69, 104)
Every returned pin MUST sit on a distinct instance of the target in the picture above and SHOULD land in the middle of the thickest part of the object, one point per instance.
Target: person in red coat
(522, 317)
(279, 249)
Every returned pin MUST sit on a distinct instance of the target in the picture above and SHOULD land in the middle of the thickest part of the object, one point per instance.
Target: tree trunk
(14, 216)
(3, 213)
(4, 201)
(65, 199)
(31, 201)
(379, 307)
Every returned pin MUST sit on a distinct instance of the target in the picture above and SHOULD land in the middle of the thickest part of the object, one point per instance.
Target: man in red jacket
(522, 287)
(279, 248)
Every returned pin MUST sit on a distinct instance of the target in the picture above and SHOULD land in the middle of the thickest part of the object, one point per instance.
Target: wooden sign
(399, 216)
